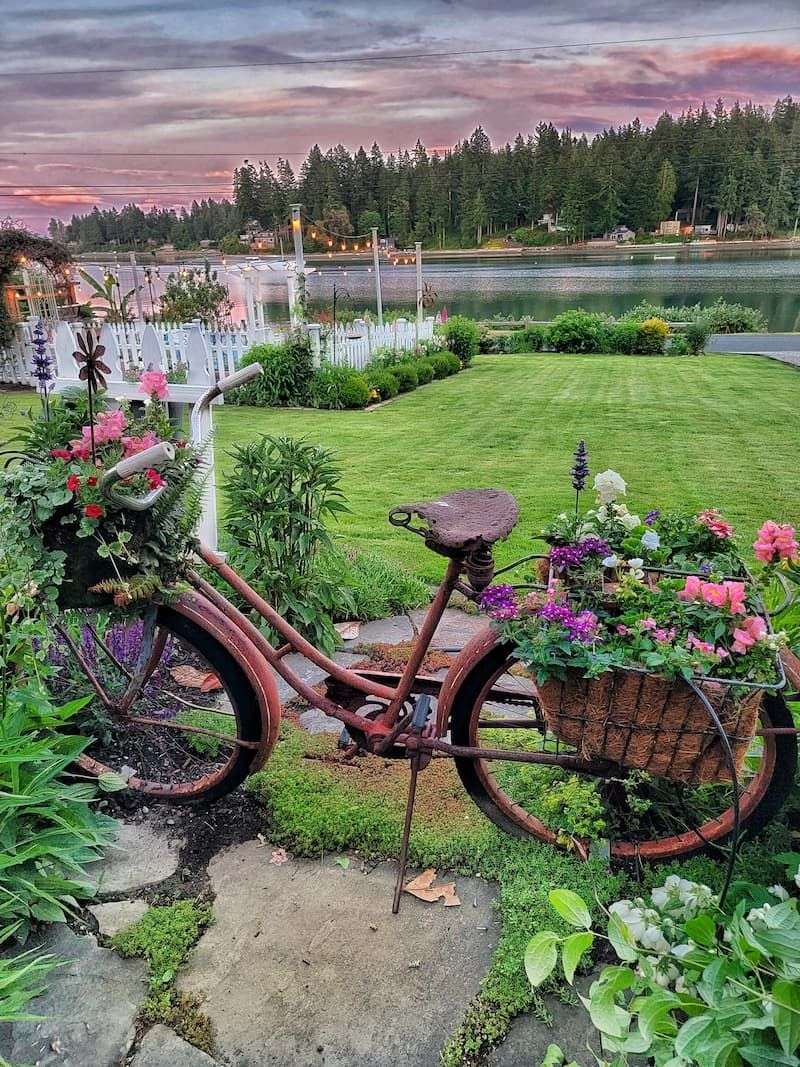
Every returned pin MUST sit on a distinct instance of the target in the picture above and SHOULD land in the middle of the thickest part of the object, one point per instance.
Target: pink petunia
(713, 521)
(736, 595)
(776, 541)
(133, 445)
(696, 645)
(691, 588)
(748, 632)
(153, 383)
(714, 594)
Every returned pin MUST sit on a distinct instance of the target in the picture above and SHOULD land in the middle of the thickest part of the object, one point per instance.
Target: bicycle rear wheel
(177, 713)
(640, 817)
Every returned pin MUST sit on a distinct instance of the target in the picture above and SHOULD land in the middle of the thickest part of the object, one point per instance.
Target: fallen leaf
(279, 857)
(423, 888)
(343, 862)
(348, 631)
(192, 678)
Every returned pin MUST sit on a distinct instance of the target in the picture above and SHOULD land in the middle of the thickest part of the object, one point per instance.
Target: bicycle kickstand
(422, 711)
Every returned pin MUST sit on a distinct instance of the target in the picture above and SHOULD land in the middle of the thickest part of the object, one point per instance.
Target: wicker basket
(645, 722)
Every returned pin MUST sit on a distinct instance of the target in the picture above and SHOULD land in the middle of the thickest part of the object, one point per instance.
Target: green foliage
(719, 317)
(530, 338)
(696, 334)
(424, 369)
(21, 980)
(279, 494)
(376, 587)
(206, 720)
(48, 830)
(338, 387)
(635, 337)
(696, 985)
(288, 373)
(383, 382)
(462, 337)
(117, 304)
(195, 293)
(232, 245)
(579, 331)
(406, 376)
(163, 936)
(15, 245)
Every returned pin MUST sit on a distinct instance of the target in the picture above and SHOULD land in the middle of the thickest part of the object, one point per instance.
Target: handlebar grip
(156, 456)
(240, 377)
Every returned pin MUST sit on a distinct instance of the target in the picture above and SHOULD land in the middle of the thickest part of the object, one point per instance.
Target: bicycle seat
(462, 521)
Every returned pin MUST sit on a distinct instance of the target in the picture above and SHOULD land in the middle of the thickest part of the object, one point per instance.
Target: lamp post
(418, 248)
(299, 258)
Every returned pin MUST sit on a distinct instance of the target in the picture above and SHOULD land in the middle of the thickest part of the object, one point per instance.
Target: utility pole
(299, 259)
(696, 191)
(418, 247)
(376, 260)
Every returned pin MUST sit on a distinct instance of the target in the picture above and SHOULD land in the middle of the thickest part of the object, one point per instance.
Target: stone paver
(389, 631)
(309, 672)
(161, 1047)
(89, 1007)
(529, 1037)
(139, 857)
(118, 914)
(306, 965)
(455, 629)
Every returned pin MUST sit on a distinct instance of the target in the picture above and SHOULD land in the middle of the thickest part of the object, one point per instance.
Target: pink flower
(154, 479)
(623, 630)
(80, 448)
(648, 624)
(60, 453)
(133, 445)
(776, 541)
(664, 636)
(748, 632)
(714, 594)
(696, 645)
(692, 588)
(109, 426)
(712, 520)
(153, 383)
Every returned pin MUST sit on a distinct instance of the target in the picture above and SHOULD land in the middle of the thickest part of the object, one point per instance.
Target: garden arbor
(19, 247)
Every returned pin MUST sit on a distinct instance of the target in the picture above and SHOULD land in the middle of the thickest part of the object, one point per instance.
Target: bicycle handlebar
(151, 458)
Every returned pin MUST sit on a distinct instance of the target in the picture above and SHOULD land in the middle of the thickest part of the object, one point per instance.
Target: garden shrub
(432, 347)
(451, 362)
(383, 382)
(338, 387)
(386, 356)
(529, 339)
(624, 336)
(653, 334)
(288, 370)
(462, 337)
(679, 345)
(719, 317)
(279, 492)
(406, 376)
(441, 366)
(424, 370)
(578, 331)
(696, 334)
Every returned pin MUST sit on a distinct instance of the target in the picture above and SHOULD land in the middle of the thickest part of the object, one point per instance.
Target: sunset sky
(104, 136)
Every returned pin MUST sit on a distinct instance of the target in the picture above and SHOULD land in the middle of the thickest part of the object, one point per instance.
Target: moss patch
(164, 936)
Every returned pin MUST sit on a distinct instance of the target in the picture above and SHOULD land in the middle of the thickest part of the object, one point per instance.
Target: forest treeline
(733, 168)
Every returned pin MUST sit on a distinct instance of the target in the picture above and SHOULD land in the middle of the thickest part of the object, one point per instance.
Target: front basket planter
(649, 723)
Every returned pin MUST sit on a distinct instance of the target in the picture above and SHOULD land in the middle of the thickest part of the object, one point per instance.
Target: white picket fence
(208, 352)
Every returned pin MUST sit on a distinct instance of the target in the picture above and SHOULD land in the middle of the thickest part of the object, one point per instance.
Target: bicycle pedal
(422, 712)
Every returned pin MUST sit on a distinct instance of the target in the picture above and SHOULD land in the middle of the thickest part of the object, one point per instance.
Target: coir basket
(649, 723)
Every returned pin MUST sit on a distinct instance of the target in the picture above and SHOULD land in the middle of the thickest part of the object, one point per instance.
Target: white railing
(205, 351)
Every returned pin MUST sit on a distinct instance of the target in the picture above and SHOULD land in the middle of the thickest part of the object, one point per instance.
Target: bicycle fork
(419, 760)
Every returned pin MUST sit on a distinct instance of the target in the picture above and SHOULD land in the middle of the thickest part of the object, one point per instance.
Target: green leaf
(343, 862)
(766, 1056)
(572, 951)
(48, 912)
(621, 939)
(541, 956)
(655, 1018)
(111, 782)
(786, 1014)
(607, 1015)
(702, 929)
(570, 907)
(695, 1036)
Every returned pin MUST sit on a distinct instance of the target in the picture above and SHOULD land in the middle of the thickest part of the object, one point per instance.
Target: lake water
(543, 286)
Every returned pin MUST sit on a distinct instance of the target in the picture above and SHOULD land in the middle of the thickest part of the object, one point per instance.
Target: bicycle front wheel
(178, 713)
(640, 816)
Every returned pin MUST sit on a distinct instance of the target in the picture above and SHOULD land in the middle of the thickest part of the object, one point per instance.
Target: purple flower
(581, 627)
(562, 557)
(651, 517)
(500, 602)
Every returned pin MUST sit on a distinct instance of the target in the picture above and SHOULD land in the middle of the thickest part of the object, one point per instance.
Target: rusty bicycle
(485, 714)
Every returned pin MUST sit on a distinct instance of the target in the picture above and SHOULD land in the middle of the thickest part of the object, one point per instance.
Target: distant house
(669, 228)
(704, 230)
(620, 233)
(549, 221)
(259, 240)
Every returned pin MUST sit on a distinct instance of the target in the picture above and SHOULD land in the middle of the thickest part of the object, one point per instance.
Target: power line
(392, 58)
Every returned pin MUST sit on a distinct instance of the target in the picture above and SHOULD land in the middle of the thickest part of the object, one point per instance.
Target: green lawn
(717, 431)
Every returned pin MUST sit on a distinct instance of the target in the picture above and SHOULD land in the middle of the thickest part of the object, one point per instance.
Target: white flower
(797, 879)
(611, 561)
(636, 563)
(629, 521)
(608, 486)
(651, 540)
(779, 892)
(681, 950)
